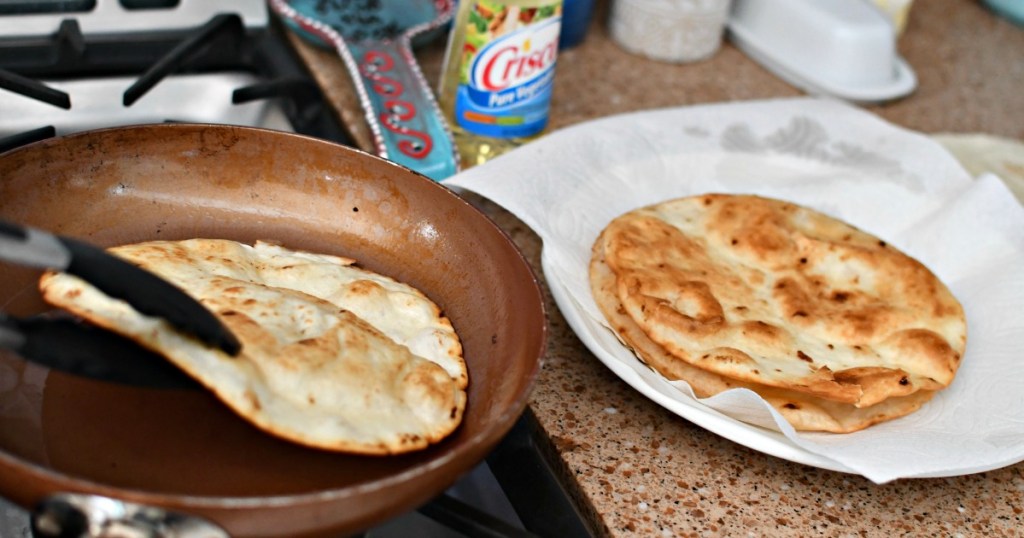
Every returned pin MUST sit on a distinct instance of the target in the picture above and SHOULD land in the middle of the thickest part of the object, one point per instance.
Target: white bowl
(842, 48)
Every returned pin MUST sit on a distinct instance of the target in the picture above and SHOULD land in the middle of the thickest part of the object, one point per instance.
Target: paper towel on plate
(838, 159)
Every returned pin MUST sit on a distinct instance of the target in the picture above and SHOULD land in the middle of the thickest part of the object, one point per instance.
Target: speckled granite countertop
(636, 469)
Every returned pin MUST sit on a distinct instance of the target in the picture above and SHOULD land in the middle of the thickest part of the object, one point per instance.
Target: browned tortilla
(767, 292)
(333, 356)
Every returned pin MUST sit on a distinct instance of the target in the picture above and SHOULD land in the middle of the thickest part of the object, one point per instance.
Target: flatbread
(804, 412)
(768, 292)
(334, 356)
(984, 153)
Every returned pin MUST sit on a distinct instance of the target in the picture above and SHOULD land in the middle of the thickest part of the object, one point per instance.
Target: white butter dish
(839, 48)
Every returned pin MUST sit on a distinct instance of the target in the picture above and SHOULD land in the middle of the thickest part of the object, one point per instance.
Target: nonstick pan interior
(180, 448)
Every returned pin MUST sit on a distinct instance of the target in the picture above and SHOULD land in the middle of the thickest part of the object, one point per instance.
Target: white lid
(841, 48)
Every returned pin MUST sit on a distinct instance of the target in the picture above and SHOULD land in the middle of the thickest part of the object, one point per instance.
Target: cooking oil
(498, 73)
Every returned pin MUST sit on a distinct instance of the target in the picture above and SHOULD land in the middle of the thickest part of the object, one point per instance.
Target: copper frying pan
(180, 449)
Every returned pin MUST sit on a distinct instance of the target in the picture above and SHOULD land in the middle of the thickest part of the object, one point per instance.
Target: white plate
(599, 339)
(893, 183)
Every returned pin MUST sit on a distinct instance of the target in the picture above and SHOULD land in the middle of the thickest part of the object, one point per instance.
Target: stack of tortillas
(834, 328)
(333, 356)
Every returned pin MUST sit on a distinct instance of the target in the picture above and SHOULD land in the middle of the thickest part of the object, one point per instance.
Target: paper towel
(833, 157)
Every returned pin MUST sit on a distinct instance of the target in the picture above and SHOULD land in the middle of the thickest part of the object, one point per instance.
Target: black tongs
(144, 291)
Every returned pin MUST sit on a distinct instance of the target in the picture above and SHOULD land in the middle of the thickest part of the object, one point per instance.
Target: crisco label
(507, 69)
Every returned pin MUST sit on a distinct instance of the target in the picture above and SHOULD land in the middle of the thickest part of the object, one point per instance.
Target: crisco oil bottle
(498, 73)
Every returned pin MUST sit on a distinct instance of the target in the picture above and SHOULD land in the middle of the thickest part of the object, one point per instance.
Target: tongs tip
(229, 344)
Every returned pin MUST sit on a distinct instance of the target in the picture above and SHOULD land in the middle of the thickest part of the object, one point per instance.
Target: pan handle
(77, 514)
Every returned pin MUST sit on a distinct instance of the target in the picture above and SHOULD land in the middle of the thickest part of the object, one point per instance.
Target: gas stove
(69, 66)
(76, 65)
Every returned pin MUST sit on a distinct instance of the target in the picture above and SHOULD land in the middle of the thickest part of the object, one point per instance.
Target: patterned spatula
(374, 38)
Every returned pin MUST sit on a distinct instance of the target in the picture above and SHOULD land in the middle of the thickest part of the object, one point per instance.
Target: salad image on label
(498, 74)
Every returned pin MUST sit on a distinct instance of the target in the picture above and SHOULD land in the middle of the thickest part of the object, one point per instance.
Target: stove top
(66, 67)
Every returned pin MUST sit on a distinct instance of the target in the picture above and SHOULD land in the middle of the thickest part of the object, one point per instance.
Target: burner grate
(66, 81)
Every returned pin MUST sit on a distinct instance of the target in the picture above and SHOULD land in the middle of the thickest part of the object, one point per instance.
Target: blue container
(1010, 9)
(575, 21)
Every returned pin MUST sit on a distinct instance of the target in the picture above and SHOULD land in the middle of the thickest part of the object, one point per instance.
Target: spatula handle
(405, 118)
(11, 336)
(31, 247)
(400, 109)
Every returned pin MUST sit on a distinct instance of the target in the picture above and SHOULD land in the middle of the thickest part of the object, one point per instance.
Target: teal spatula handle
(400, 108)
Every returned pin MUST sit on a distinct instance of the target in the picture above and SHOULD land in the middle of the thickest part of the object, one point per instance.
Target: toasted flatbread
(333, 357)
(984, 153)
(768, 292)
(803, 411)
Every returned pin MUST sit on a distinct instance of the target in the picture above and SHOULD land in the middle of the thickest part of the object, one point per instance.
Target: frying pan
(181, 450)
